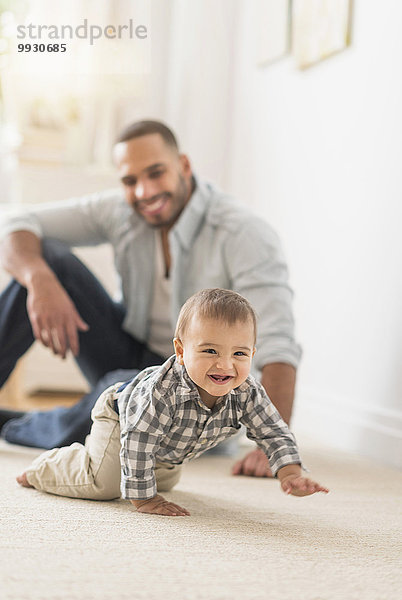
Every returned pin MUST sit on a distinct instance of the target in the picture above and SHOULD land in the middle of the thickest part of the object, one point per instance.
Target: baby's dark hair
(216, 303)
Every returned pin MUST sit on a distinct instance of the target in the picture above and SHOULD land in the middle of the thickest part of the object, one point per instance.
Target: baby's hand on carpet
(159, 506)
(22, 480)
(297, 485)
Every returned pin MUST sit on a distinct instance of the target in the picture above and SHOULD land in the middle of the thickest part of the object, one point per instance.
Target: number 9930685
(42, 47)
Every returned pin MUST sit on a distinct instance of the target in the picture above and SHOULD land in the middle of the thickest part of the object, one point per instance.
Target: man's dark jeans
(107, 353)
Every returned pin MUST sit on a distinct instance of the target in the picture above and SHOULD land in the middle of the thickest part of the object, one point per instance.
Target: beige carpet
(244, 540)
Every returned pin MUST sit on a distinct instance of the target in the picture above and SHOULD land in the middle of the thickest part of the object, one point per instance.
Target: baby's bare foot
(22, 480)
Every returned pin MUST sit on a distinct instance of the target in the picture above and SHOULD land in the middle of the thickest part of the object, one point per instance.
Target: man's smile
(154, 206)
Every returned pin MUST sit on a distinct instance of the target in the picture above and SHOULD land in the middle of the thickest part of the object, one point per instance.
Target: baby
(144, 430)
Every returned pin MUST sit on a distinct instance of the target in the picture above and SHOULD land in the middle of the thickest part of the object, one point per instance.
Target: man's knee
(56, 253)
(52, 248)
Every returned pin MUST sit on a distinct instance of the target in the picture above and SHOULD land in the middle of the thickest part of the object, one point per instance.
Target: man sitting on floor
(172, 235)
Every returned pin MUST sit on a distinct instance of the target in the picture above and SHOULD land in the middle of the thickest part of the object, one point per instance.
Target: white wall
(317, 153)
(326, 153)
(190, 85)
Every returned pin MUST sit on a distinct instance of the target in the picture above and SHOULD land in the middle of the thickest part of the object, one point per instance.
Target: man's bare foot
(22, 480)
(254, 464)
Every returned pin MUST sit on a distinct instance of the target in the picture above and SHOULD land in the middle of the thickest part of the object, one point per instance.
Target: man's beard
(178, 201)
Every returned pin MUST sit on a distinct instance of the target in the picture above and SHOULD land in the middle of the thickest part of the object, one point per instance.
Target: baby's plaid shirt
(163, 419)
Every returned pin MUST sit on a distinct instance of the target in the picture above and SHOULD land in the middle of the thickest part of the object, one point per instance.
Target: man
(172, 235)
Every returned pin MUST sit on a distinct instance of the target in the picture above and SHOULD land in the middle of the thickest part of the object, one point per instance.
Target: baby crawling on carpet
(145, 429)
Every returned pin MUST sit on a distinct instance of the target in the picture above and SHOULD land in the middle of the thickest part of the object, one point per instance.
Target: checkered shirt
(163, 419)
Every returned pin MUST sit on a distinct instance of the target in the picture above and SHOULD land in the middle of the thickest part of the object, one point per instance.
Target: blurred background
(293, 107)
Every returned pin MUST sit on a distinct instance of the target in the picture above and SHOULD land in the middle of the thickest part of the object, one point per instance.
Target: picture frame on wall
(320, 28)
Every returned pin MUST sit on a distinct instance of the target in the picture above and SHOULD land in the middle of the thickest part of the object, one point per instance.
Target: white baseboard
(370, 431)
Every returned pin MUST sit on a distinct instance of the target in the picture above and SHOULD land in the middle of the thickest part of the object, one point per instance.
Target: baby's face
(217, 356)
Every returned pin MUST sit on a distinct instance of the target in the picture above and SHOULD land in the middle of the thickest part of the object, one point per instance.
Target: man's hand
(278, 380)
(159, 506)
(54, 318)
(255, 464)
(297, 485)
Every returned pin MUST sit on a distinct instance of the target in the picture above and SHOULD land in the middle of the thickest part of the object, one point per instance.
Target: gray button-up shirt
(163, 418)
(216, 242)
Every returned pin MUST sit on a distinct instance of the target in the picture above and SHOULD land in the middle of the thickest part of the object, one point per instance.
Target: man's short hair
(141, 128)
(216, 303)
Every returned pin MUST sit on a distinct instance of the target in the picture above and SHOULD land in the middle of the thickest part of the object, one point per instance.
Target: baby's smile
(219, 379)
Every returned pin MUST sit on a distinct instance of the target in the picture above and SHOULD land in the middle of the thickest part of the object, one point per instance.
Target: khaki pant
(92, 471)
